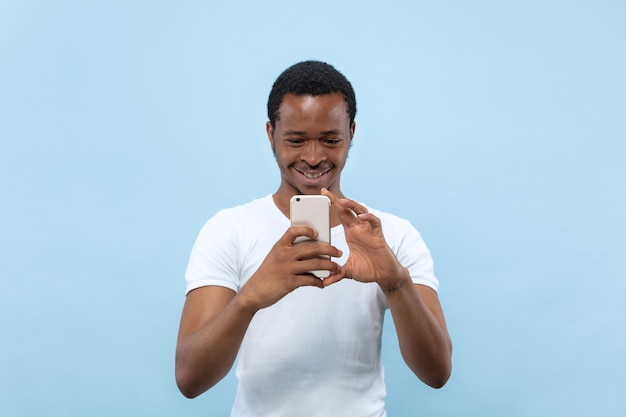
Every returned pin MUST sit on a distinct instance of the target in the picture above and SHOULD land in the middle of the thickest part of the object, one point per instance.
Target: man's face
(311, 141)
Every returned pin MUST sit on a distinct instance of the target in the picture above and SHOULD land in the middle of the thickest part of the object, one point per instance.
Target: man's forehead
(308, 104)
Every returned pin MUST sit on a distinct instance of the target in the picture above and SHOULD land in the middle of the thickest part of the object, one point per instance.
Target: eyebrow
(325, 133)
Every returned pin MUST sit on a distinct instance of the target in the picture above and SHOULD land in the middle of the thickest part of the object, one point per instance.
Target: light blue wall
(497, 128)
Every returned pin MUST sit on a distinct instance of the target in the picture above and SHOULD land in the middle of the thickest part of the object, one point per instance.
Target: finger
(371, 219)
(314, 249)
(330, 195)
(346, 216)
(316, 264)
(352, 205)
(341, 274)
(333, 278)
(334, 201)
(308, 280)
(294, 232)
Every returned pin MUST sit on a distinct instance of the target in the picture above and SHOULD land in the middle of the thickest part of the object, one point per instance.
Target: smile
(312, 175)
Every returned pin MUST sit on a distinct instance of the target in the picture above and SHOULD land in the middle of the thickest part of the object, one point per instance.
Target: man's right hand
(285, 268)
(215, 319)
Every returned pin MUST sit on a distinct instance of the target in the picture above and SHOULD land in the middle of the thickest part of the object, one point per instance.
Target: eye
(294, 141)
(331, 141)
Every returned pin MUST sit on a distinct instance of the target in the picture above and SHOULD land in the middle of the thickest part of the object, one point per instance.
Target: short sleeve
(413, 254)
(214, 256)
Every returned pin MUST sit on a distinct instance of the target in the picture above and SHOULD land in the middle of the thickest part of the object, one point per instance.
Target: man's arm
(212, 326)
(422, 334)
(215, 319)
(415, 309)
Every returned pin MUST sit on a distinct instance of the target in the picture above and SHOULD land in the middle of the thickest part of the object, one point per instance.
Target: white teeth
(313, 175)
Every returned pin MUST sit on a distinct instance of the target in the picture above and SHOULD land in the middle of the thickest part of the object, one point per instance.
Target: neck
(282, 199)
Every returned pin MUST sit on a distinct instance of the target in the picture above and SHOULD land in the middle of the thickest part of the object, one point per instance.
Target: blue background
(497, 128)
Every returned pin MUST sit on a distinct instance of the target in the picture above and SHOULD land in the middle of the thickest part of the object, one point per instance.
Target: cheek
(341, 157)
(282, 156)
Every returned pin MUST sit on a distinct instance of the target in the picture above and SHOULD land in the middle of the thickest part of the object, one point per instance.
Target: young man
(307, 346)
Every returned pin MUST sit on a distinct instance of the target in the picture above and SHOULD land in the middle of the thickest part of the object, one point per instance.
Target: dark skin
(311, 139)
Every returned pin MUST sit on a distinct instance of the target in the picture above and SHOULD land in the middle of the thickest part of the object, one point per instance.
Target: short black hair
(313, 78)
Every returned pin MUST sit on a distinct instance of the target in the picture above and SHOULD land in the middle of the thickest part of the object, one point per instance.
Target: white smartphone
(312, 211)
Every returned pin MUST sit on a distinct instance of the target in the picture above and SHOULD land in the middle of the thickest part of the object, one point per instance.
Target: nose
(313, 153)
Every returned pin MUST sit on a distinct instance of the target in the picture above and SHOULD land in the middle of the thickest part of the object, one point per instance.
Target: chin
(308, 191)
(311, 190)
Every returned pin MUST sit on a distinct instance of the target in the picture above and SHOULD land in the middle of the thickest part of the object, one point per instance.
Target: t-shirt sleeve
(213, 259)
(415, 256)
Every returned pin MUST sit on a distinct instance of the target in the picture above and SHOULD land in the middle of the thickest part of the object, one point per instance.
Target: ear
(270, 134)
(352, 129)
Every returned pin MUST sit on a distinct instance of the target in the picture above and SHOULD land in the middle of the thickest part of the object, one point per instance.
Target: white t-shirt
(316, 352)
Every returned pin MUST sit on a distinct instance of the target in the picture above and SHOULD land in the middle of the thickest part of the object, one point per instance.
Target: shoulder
(262, 203)
(233, 221)
(259, 206)
(393, 224)
(399, 232)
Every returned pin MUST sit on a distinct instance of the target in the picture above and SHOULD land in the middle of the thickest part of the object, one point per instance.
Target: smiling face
(310, 140)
